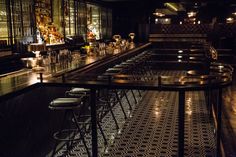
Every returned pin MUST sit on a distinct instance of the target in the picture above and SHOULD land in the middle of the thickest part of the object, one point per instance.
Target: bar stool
(135, 73)
(109, 100)
(114, 92)
(126, 69)
(67, 133)
(120, 93)
(77, 92)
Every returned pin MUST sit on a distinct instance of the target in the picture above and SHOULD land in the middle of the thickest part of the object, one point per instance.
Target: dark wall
(132, 16)
(27, 124)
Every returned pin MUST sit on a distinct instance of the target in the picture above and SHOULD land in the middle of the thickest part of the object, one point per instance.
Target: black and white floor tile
(152, 130)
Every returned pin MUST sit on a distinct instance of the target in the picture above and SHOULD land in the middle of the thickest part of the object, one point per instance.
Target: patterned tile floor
(152, 129)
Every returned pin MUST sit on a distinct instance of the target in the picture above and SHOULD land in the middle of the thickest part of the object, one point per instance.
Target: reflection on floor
(152, 129)
(229, 120)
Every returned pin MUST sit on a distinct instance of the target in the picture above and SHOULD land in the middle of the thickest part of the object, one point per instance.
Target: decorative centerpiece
(117, 38)
(91, 37)
(36, 48)
(132, 35)
(132, 44)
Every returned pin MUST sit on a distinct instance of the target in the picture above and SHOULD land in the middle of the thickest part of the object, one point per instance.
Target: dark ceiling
(211, 8)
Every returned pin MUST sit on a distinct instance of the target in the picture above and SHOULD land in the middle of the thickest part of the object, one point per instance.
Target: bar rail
(219, 77)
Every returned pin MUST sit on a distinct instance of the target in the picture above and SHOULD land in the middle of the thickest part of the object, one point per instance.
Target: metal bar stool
(77, 92)
(114, 91)
(120, 93)
(67, 133)
(128, 67)
(109, 100)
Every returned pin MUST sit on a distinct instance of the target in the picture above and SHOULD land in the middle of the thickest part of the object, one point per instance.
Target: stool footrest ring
(66, 135)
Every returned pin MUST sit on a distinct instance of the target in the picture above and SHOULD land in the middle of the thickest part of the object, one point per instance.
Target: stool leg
(119, 101)
(126, 97)
(70, 142)
(63, 122)
(112, 114)
(132, 92)
(103, 135)
(140, 95)
(81, 134)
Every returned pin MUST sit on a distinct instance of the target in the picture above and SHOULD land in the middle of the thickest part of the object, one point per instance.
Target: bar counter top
(16, 82)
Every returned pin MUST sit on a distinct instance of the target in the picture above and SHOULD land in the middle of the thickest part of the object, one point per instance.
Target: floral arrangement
(91, 36)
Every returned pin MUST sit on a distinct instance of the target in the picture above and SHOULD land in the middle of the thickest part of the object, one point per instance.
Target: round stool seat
(195, 72)
(77, 92)
(121, 66)
(65, 103)
(127, 63)
(109, 74)
(114, 70)
(104, 77)
(112, 99)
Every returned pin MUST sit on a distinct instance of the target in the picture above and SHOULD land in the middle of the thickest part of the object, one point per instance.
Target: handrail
(218, 77)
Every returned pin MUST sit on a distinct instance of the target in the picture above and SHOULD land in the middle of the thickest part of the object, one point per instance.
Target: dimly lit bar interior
(117, 78)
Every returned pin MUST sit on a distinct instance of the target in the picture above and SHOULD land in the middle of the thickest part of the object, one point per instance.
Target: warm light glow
(220, 66)
(170, 5)
(191, 14)
(180, 51)
(188, 108)
(166, 20)
(159, 14)
(3, 13)
(179, 56)
(189, 112)
(157, 113)
(179, 60)
(89, 60)
(229, 20)
(234, 13)
(199, 22)
(180, 22)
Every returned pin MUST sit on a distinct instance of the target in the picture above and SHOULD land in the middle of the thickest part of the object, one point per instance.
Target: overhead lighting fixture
(234, 13)
(196, 5)
(159, 14)
(180, 22)
(171, 6)
(191, 14)
(199, 22)
(229, 20)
